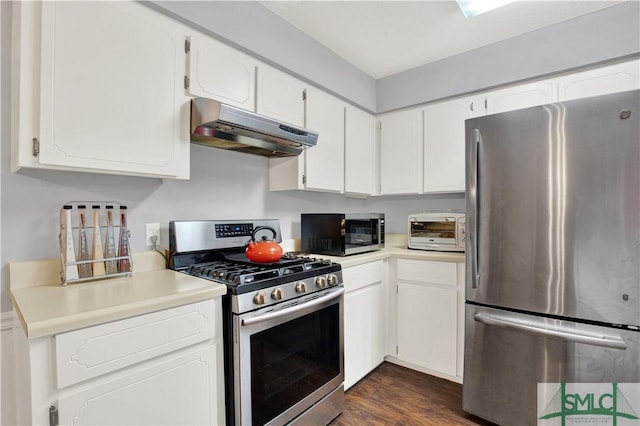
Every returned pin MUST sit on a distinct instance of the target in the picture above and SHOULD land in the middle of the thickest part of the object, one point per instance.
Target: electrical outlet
(152, 230)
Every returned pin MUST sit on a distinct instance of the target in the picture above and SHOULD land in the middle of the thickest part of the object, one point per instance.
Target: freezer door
(553, 213)
(508, 354)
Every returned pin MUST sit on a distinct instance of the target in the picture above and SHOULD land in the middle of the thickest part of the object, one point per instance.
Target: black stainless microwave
(341, 234)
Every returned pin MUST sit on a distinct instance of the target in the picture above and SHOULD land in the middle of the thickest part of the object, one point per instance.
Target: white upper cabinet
(324, 168)
(444, 143)
(220, 72)
(521, 96)
(444, 129)
(599, 81)
(320, 167)
(401, 152)
(280, 95)
(98, 86)
(360, 158)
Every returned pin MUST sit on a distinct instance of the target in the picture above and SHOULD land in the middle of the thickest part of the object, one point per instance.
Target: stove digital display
(231, 230)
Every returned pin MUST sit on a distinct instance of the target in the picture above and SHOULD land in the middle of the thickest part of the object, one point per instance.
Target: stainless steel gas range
(283, 324)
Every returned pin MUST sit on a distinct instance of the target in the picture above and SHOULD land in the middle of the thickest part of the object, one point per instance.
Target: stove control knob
(321, 282)
(333, 279)
(301, 287)
(259, 298)
(276, 294)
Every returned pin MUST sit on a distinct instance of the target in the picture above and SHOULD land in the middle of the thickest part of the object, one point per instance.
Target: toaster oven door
(433, 234)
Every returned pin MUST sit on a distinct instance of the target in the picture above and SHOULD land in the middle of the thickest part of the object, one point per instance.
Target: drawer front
(356, 277)
(426, 271)
(93, 351)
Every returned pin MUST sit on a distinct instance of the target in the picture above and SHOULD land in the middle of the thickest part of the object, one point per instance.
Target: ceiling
(389, 36)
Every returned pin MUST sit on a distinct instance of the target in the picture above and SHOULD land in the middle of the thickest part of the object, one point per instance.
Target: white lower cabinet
(174, 392)
(162, 368)
(365, 319)
(429, 302)
(427, 327)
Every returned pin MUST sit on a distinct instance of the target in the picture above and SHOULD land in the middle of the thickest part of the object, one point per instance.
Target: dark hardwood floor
(394, 395)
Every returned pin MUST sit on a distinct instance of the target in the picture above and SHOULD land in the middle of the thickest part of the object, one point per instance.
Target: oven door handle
(293, 309)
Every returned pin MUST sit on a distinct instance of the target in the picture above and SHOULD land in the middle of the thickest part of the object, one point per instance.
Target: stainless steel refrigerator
(553, 236)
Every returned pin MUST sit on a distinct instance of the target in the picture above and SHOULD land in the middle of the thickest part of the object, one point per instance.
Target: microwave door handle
(277, 314)
(474, 207)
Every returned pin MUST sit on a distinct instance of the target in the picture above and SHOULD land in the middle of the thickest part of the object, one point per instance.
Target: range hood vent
(224, 126)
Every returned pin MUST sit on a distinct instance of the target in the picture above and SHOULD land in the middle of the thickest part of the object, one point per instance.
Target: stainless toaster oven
(441, 231)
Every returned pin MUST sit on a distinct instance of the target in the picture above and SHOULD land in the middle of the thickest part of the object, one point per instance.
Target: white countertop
(395, 247)
(45, 307)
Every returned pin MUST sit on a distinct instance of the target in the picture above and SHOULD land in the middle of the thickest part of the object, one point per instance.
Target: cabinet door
(324, 163)
(359, 161)
(460, 343)
(280, 96)
(427, 326)
(364, 331)
(220, 72)
(476, 106)
(444, 145)
(401, 152)
(111, 88)
(181, 391)
(521, 96)
(600, 81)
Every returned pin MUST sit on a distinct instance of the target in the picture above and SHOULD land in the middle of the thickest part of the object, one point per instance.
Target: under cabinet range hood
(224, 126)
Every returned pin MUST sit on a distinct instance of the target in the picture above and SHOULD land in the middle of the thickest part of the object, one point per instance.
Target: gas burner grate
(242, 276)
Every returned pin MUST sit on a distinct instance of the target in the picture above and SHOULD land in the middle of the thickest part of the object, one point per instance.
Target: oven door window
(291, 360)
(433, 229)
(361, 232)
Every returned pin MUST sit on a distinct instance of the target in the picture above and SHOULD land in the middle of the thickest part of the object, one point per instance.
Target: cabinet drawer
(426, 271)
(356, 277)
(93, 351)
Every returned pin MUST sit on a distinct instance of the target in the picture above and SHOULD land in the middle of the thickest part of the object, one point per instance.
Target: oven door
(433, 233)
(289, 357)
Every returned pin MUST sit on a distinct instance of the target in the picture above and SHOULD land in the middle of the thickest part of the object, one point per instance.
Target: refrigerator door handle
(555, 332)
(474, 208)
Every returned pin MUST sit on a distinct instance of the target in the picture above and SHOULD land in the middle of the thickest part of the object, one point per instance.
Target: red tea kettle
(263, 251)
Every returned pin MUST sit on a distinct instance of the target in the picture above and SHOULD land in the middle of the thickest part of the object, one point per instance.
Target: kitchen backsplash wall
(223, 185)
(288, 205)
